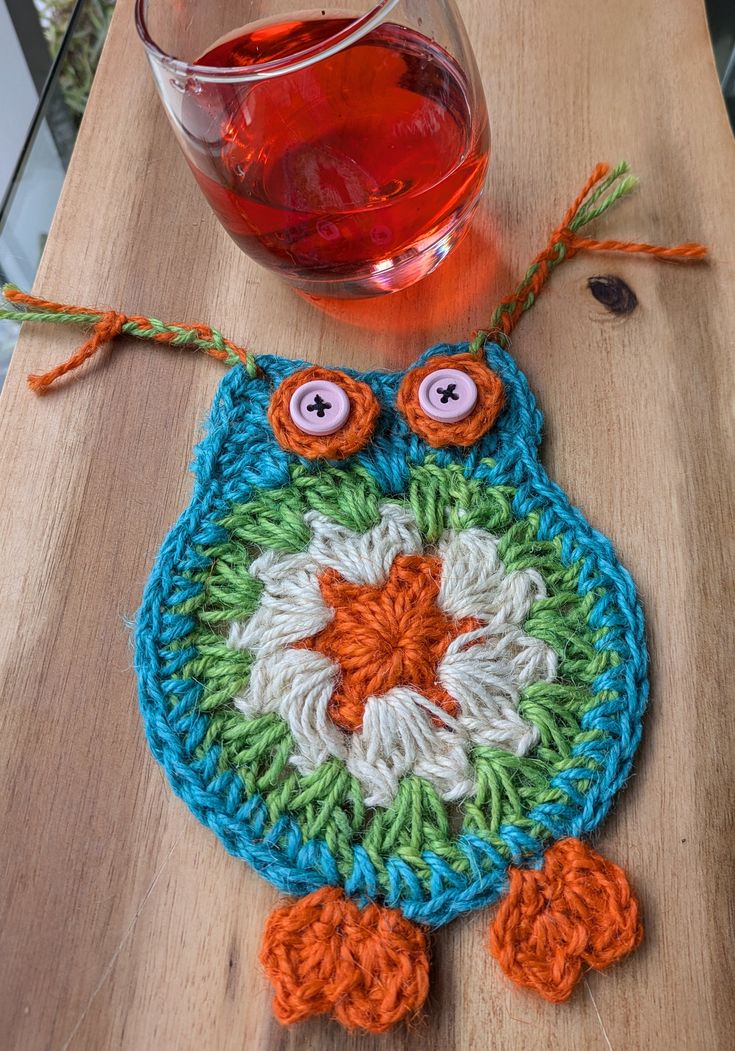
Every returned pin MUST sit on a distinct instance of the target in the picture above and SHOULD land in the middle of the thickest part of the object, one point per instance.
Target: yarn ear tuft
(602, 189)
(107, 325)
(366, 967)
(578, 911)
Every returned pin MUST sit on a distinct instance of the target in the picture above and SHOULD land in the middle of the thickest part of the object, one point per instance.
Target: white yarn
(484, 670)
(291, 606)
(297, 684)
(399, 738)
(486, 680)
(475, 583)
(364, 558)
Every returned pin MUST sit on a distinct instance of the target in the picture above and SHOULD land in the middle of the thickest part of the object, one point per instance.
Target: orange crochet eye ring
(323, 413)
(454, 399)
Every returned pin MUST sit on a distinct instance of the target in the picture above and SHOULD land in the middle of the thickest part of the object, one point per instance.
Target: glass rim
(350, 33)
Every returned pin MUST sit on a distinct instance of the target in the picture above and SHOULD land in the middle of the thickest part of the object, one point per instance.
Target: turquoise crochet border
(239, 455)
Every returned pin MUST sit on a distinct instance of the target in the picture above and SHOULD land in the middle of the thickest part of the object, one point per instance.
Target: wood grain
(124, 923)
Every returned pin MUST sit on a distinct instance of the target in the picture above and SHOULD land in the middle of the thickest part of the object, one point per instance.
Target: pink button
(319, 407)
(447, 395)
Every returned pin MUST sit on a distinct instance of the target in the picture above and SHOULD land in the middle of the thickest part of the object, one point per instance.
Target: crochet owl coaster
(384, 659)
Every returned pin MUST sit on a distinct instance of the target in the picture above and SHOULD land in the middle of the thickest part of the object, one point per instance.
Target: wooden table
(124, 922)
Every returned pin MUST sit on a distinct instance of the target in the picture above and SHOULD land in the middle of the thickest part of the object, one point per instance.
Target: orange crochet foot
(577, 911)
(368, 968)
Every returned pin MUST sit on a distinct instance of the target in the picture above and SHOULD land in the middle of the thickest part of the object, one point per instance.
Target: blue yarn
(239, 455)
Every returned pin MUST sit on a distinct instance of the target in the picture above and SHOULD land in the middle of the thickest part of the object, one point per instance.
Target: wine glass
(344, 151)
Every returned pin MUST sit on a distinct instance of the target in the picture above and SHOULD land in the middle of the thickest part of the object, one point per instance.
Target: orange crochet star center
(387, 635)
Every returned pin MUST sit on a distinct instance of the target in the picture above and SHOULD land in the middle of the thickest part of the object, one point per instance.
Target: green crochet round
(327, 804)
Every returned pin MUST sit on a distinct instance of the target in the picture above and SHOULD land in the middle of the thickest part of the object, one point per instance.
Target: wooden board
(124, 923)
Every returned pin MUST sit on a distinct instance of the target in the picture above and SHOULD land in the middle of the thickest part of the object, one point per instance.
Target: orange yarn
(690, 250)
(349, 439)
(393, 634)
(368, 967)
(105, 331)
(48, 306)
(577, 910)
(490, 400)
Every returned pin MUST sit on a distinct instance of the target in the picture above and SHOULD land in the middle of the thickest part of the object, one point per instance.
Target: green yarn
(416, 821)
(274, 520)
(439, 497)
(444, 498)
(352, 499)
(625, 183)
(220, 668)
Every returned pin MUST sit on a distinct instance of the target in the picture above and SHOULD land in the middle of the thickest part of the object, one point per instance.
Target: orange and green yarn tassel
(107, 325)
(602, 189)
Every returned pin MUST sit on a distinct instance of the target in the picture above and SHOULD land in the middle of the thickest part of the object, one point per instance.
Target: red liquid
(345, 167)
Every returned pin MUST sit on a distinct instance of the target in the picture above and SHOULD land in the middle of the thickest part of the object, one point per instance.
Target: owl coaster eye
(323, 413)
(454, 399)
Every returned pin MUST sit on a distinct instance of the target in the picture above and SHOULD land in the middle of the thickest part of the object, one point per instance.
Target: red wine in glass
(361, 167)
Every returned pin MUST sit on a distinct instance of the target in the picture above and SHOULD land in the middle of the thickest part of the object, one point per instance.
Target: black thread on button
(613, 293)
(448, 393)
(319, 406)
